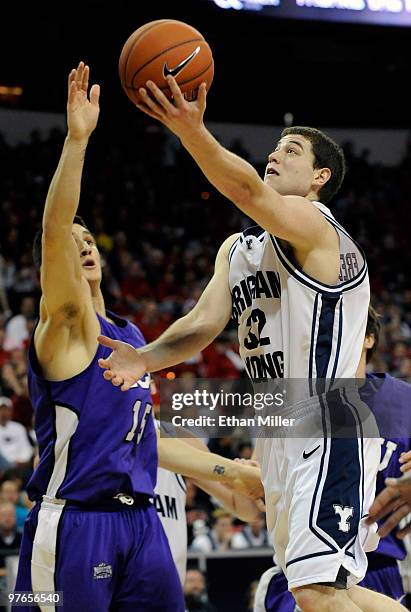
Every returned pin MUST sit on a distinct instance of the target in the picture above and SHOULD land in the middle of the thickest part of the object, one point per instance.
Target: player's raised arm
(184, 338)
(290, 217)
(60, 270)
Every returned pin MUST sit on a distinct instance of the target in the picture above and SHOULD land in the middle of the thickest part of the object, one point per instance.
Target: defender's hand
(247, 480)
(82, 112)
(125, 366)
(182, 117)
(405, 459)
(394, 499)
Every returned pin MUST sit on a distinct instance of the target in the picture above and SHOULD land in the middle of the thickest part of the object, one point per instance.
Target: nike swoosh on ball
(177, 69)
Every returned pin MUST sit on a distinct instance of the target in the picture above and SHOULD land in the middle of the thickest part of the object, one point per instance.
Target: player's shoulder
(226, 248)
(228, 243)
(397, 388)
(401, 385)
(121, 328)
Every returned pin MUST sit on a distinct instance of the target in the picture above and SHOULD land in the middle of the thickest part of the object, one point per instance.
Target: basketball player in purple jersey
(93, 533)
(385, 395)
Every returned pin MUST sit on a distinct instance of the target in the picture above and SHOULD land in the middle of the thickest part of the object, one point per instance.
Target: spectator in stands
(10, 492)
(14, 443)
(4, 355)
(197, 519)
(18, 328)
(14, 373)
(151, 321)
(4, 465)
(10, 538)
(253, 535)
(195, 592)
(219, 537)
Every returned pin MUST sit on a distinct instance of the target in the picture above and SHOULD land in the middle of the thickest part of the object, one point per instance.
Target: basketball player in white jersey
(298, 287)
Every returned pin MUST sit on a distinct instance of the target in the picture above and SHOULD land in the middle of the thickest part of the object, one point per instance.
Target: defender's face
(290, 168)
(89, 254)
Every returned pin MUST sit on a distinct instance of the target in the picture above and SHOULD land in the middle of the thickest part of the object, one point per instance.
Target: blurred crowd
(158, 224)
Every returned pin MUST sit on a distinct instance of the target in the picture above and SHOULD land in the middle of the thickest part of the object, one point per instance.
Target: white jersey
(170, 503)
(293, 326)
(289, 324)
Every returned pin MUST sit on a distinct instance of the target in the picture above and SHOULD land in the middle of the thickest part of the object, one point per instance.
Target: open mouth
(89, 263)
(272, 171)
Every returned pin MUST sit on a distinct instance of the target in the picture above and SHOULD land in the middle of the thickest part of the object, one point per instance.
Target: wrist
(195, 137)
(144, 354)
(80, 141)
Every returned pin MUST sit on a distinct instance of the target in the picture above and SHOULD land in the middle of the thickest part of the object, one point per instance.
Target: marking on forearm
(219, 469)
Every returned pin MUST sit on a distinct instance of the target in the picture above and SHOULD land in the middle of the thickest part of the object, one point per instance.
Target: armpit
(70, 310)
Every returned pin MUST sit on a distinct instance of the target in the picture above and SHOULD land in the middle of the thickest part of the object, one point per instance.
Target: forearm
(177, 456)
(183, 339)
(230, 174)
(239, 505)
(64, 191)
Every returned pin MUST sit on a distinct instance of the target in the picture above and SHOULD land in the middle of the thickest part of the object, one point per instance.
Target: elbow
(204, 327)
(247, 195)
(242, 195)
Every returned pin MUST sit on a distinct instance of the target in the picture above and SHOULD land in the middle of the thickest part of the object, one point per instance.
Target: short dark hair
(327, 154)
(373, 329)
(37, 241)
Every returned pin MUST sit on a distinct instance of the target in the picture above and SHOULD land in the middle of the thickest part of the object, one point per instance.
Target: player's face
(89, 255)
(290, 168)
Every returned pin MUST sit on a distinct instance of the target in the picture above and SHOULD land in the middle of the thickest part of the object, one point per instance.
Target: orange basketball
(165, 47)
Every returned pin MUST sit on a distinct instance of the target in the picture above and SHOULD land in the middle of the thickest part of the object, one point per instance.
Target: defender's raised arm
(61, 270)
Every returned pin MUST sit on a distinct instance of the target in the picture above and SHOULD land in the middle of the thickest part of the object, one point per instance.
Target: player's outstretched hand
(248, 481)
(124, 366)
(405, 459)
(82, 111)
(395, 500)
(182, 117)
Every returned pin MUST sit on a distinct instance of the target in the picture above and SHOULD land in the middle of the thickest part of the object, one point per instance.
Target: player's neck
(98, 302)
(362, 366)
(313, 197)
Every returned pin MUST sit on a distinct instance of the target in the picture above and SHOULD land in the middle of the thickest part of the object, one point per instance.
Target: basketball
(164, 47)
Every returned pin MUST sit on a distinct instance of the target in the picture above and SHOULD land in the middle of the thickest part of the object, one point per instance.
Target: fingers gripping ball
(164, 47)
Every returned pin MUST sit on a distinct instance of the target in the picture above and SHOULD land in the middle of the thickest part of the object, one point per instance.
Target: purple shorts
(384, 576)
(117, 560)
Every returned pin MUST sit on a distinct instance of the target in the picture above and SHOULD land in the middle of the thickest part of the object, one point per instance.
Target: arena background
(157, 220)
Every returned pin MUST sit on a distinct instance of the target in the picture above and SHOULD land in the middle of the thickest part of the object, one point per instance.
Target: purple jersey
(95, 441)
(390, 400)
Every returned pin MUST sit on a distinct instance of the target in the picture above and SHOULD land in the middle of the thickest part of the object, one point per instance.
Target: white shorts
(318, 491)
